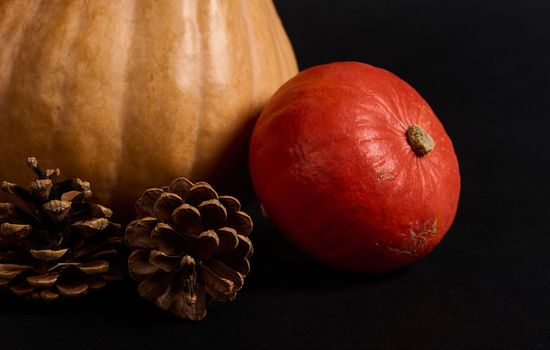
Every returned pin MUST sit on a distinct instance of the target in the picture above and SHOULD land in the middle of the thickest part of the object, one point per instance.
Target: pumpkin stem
(419, 140)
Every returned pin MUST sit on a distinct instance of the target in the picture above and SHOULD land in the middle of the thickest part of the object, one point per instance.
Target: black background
(484, 66)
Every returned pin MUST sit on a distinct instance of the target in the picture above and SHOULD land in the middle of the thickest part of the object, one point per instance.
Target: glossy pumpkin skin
(132, 94)
(332, 166)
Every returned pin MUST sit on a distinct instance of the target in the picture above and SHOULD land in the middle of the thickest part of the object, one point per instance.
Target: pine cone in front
(190, 246)
(61, 245)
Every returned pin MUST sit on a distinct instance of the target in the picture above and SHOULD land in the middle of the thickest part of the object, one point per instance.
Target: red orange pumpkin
(354, 167)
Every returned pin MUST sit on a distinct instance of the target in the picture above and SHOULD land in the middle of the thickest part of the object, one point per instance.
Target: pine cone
(190, 246)
(61, 246)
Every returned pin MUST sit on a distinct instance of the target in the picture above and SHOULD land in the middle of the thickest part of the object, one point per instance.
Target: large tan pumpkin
(131, 94)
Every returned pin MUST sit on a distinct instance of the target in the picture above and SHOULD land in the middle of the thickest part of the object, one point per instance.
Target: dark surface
(485, 69)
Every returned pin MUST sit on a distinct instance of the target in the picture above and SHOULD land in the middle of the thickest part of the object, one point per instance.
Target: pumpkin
(131, 94)
(353, 166)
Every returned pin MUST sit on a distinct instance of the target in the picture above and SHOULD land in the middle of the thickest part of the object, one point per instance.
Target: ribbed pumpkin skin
(131, 94)
(331, 163)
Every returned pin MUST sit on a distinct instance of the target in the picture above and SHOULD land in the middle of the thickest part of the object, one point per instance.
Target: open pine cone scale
(190, 246)
(61, 245)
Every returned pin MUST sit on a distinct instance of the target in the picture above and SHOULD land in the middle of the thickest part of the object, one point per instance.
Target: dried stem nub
(419, 140)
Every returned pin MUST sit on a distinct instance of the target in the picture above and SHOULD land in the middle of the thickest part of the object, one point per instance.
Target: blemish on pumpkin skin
(395, 250)
(401, 251)
(385, 176)
(417, 239)
(420, 238)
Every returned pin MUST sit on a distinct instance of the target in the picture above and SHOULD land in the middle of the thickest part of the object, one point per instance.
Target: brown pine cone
(61, 245)
(190, 246)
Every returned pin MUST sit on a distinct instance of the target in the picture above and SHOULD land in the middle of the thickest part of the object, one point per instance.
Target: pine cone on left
(61, 245)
